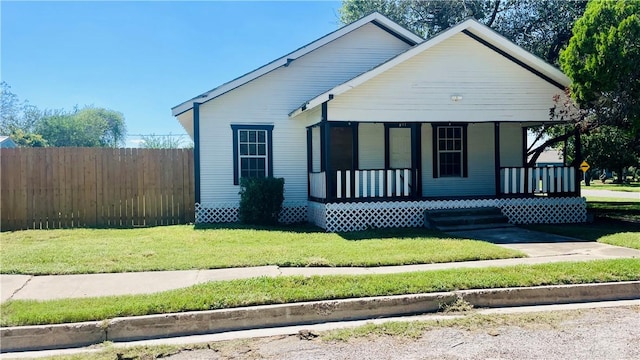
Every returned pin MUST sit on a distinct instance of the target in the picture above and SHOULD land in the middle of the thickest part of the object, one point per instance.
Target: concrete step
(465, 219)
(465, 227)
(470, 219)
(434, 213)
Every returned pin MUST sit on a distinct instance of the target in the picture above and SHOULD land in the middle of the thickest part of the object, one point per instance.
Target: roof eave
(496, 39)
(377, 18)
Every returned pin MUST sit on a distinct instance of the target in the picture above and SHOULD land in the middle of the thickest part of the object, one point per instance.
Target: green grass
(611, 232)
(597, 185)
(264, 290)
(181, 247)
(618, 209)
(616, 222)
(610, 199)
(622, 210)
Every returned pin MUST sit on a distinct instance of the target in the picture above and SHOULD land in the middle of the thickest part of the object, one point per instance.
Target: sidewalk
(549, 249)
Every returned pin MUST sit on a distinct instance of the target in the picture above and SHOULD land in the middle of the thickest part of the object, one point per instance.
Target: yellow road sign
(584, 166)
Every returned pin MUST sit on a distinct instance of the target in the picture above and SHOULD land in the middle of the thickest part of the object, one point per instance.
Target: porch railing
(538, 180)
(353, 184)
(318, 185)
(361, 184)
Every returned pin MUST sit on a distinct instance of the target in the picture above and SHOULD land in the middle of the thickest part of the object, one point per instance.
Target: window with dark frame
(252, 151)
(450, 151)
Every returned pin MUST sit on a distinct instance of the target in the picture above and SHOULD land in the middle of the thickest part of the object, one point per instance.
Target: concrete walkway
(585, 191)
(540, 247)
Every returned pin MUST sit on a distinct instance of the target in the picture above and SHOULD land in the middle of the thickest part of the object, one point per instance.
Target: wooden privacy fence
(48, 188)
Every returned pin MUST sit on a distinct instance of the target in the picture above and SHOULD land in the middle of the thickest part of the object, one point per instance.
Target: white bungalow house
(371, 125)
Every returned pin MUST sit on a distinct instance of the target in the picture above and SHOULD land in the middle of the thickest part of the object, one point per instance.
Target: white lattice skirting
(340, 217)
(228, 212)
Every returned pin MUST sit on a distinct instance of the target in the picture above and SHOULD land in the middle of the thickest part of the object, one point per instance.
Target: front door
(400, 148)
(341, 157)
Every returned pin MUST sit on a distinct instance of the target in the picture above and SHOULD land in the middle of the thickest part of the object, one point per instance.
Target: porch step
(465, 219)
(474, 227)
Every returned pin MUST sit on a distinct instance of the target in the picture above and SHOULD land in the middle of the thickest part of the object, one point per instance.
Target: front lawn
(598, 185)
(182, 247)
(610, 232)
(279, 290)
(620, 209)
(616, 222)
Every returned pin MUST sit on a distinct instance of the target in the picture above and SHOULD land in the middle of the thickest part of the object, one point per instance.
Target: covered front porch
(360, 161)
(364, 175)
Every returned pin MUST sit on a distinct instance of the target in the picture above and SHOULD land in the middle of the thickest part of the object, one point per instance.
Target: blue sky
(142, 58)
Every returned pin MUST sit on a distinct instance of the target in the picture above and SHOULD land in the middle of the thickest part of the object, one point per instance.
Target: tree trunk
(620, 179)
(587, 177)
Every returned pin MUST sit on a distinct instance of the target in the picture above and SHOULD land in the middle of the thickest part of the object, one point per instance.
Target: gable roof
(550, 156)
(374, 18)
(470, 27)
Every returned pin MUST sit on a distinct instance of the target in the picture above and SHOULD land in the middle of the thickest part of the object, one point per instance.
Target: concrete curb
(25, 338)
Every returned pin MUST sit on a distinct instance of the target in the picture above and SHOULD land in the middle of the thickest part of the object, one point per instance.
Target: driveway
(537, 244)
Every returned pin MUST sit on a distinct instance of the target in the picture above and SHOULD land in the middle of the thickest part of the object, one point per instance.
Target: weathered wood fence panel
(49, 188)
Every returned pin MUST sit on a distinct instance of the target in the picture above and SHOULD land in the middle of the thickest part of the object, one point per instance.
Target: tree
(170, 141)
(110, 122)
(29, 126)
(24, 139)
(425, 18)
(16, 114)
(602, 62)
(541, 27)
(604, 146)
(91, 127)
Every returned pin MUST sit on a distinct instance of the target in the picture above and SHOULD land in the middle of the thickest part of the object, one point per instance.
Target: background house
(6, 142)
(550, 157)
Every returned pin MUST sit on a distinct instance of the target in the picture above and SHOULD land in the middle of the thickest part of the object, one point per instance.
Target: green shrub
(261, 200)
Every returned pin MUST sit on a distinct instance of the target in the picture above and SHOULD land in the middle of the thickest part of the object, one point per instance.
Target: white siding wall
(371, 146)
(480, 159)
(269, 99)
(420, 89)
(510, 145)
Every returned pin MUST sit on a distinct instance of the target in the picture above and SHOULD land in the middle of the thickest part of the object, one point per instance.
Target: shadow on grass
(624, 210)
(303, 228)
(602, 226)
(395, 233)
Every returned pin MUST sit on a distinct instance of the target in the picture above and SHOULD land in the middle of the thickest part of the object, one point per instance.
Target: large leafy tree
(602, 60)
(16, 114)
(425, 18)
(31, 127)
(91, 127)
